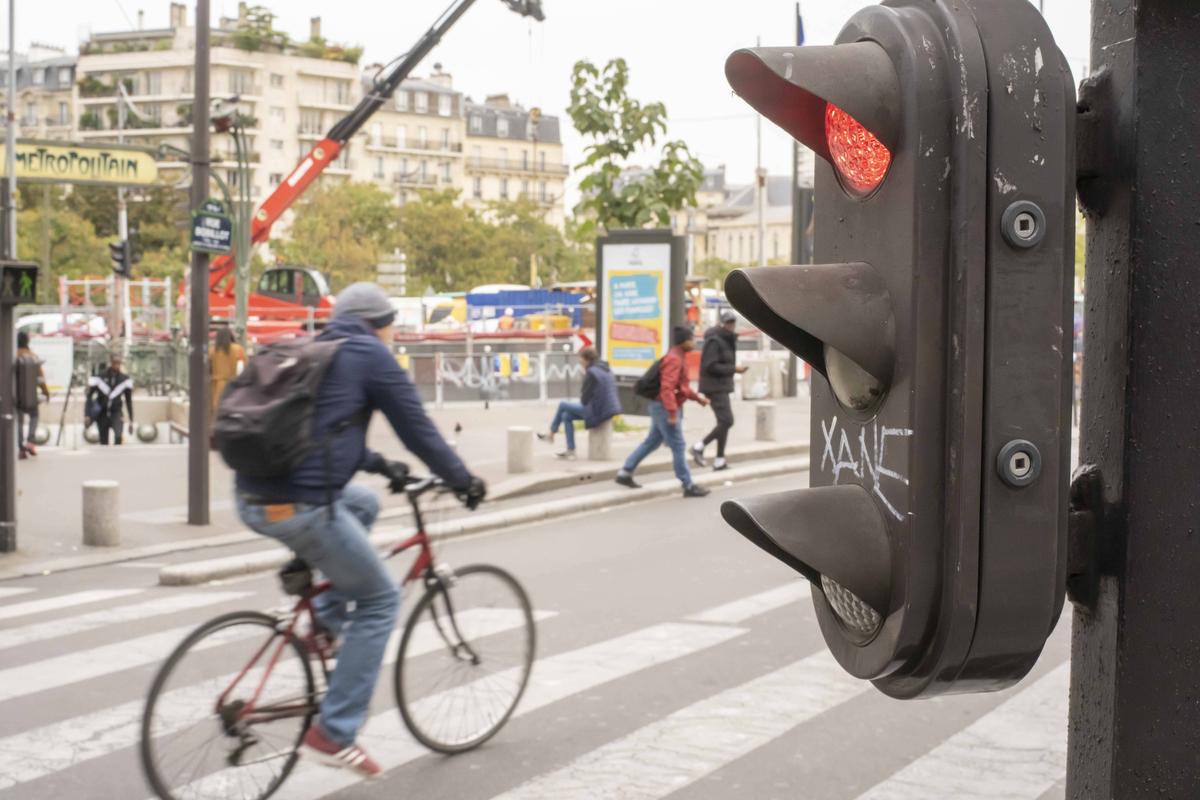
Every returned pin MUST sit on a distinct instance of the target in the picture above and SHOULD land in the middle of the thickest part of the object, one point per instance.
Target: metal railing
(516, 165)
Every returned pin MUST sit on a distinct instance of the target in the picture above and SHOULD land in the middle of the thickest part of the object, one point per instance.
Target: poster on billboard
(58, 359)
(639, 297)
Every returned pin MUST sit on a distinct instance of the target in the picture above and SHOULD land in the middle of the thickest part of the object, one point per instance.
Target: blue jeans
(661, 432)
(567, 413)
(338, 547)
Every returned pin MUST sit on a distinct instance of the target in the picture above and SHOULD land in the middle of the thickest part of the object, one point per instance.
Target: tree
(342, 229)
(519, 232)
(619, 126)
(75, 250)
(447, 245)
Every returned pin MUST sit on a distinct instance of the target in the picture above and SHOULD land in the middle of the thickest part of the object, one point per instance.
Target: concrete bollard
(520, 450)
(101, 513)
(764, 422)
(600, 441)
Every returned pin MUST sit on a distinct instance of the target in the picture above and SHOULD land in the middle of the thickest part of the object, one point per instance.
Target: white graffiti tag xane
(867, 463)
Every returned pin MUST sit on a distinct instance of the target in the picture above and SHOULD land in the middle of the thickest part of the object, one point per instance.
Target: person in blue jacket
(295, 510)
(598, 402)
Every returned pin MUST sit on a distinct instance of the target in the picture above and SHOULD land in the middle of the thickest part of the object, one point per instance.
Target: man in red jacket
(666, 416)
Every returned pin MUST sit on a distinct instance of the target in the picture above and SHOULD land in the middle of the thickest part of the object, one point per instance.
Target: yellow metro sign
(71, 162)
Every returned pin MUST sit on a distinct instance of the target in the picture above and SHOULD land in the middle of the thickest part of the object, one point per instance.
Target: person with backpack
(598, 402)
(30, 379)
(293, 426)
(718, 365)
(106, 390)
(666, 385)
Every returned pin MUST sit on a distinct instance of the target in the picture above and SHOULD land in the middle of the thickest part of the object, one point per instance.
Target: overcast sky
(675, 48)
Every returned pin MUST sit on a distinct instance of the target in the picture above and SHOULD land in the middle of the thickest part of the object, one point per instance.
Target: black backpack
(650, 384)
(29, 372)
(264, 425)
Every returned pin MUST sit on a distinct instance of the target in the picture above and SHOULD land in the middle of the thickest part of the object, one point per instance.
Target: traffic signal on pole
(121, 254)
(937, 321)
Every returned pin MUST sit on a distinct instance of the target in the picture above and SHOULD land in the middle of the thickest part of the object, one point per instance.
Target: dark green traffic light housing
(938, 325)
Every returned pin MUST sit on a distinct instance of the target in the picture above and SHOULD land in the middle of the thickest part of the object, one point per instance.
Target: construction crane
(293, 290)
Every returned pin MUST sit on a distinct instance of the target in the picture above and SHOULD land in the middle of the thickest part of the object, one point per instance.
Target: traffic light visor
(827, 533)
(827, 98)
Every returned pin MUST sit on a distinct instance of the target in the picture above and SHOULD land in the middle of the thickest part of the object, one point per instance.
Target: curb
(233, 566)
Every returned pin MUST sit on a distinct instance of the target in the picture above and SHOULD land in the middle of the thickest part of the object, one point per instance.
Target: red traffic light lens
(861, 159)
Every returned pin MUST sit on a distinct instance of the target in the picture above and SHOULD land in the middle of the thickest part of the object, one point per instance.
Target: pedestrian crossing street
(75, 667)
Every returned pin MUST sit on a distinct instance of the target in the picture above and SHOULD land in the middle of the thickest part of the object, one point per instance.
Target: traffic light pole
(198, 485)
(1135, 720)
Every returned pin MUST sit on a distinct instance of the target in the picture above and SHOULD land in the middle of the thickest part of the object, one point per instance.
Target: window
(524, 159)
(278, 114)
(153, 111)
(241, 81)
(337, 91)
(424, 170)
(310, 121)
(421, 102)
(401, 136)
(445, 138)
(64, 76)
(740, 245)
(422, 136)
(276, 80)
(503, 158)
(542, 192)
(39, 77)
(153, 83)
(377, 133)
(445, 105)
(477, 188)
(502, 127)
(446, 174)
(402, 100)
(404, 167)
(275, 178)
(477, 155)
(476, 123)
(30, 118)
(504, 188)
(542, 161)
(775, 244)
(378, 167)
(524, 189)
(277, 144)
(64, 114)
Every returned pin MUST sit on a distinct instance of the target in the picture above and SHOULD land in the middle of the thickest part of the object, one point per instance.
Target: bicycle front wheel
(465, 658)
(227, 711)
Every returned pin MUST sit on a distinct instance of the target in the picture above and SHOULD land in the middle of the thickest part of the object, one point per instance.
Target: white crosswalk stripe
(13, 591)
(64, 601)
(160, 606)
(671, 753)
(1017, 751)
(739, 611)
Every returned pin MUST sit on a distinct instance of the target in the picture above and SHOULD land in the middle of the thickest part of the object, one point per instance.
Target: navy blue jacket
(364, 375)
(599, 396)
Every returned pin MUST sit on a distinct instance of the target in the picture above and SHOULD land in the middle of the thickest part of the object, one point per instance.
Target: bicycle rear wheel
(198, 739)
(465, 658)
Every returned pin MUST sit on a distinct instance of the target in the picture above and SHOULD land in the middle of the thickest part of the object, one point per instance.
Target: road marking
(677, 750)
(64, 601)
(36, 753)
(12, 592)
(161, 605)
(554, 678)
(1016, 752)
(739, 611)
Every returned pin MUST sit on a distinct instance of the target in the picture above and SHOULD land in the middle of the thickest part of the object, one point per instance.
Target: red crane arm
(279, 201)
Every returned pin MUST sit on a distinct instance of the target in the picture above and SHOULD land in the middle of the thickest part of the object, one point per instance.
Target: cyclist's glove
(472, 494)
(395, 471)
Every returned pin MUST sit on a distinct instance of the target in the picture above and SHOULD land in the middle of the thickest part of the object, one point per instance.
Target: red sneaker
(319, 747)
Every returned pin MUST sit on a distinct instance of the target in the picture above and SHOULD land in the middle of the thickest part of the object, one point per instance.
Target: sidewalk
(154, 479)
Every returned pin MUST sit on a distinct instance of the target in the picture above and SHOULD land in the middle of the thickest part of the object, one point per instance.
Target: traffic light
(938, 325)
(121, 254)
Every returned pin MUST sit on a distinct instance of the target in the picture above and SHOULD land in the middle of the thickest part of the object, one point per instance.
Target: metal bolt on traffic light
(937, 320)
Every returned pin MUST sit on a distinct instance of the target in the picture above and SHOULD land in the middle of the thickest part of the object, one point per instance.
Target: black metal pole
(8, 443)
(1135, 716)
(198, 489)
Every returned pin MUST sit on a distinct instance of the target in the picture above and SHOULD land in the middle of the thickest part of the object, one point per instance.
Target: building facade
(45, 107)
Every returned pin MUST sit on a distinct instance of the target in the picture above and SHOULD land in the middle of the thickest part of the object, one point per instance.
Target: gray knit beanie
(365, 301)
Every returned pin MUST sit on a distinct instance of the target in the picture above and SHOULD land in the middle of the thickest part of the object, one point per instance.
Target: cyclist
(296, 511)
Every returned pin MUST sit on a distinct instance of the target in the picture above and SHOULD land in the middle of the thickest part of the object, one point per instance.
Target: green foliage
(341, 229)
(1080, 252)
(620, 126)
(717, 269)
(257, 32)
(74, 247)
(89, 121)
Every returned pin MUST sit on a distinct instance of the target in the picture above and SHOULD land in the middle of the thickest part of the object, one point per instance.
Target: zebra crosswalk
(678, 706)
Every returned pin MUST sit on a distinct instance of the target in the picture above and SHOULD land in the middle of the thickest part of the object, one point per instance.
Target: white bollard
(600, 441)
(101, 512)
(520, 450)
(764, 422)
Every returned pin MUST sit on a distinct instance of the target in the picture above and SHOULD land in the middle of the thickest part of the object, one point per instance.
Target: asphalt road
(674, 660)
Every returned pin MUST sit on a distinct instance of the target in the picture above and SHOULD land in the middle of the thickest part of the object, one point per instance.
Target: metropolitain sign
(71, 162)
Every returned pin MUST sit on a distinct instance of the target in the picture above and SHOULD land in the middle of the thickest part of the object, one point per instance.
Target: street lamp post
(198, 448)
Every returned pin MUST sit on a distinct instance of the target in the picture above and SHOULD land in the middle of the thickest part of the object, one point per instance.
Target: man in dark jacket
(718, 365)
(296, 511)
(106, 391)
(30, 380)
(598, 402)
(666, 416)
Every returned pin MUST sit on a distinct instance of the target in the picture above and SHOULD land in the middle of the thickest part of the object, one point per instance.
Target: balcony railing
(326, 102)
(393, 143)
(515, 165)
(415, 179)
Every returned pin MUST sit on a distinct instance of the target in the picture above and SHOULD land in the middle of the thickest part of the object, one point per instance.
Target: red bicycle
(462, 663)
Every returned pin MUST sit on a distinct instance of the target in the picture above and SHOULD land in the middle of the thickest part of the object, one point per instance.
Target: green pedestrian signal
(18, 282)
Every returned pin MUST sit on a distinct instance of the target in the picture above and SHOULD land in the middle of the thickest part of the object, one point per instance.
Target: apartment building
(513, 152)
(45, 93)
